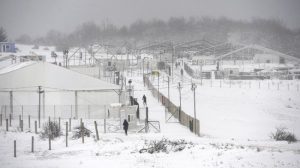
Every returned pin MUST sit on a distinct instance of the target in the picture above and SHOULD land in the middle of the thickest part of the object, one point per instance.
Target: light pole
(194, 86)
(179, 89)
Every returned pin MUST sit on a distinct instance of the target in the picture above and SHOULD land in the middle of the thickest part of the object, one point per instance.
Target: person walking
(125, 126)
(144, 100)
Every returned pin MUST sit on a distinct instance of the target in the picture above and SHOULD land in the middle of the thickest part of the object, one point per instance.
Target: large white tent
(41, 86)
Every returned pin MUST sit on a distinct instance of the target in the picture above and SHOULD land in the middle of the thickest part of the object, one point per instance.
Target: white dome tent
(63, 93)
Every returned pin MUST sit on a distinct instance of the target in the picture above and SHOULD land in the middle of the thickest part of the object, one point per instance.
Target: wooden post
(15, 148)
(6, 124)
(66, 134)
(10, 120)
(96, 129)
(49, 120)
(70, 124)
(82, 132)
(29, 121)
(0, 119)
(32, 144)
(35, 127)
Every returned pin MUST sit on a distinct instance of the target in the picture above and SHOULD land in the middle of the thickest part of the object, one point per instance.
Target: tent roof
(30, 75)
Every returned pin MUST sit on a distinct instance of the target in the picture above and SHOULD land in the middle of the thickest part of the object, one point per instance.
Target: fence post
(66, 134)
(6, 124)
(35, 127)
(96, 129)
(10, 120)
(15, 148)
(29, 121)
(82, 132)
(70, 124)
(32, 144)
(0, 119)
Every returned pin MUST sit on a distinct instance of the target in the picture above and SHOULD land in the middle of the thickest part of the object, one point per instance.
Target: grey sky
(36, 17)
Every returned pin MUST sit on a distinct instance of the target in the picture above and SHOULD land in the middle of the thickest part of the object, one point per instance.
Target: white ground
(236, 120)
(212, 150)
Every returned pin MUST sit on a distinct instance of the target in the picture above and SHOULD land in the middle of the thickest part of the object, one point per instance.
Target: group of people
(125, 122)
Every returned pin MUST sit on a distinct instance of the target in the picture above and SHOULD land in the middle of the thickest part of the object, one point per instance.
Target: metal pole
(11, 102)
(194, 89)
(76, 104)
(39, 110)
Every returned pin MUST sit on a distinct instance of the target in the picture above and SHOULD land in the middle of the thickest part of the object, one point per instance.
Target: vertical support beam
(6, 124)
(44, 107)
(82, 132)
(32, 144)
(66, 134)
(76, 104)
(70, 124)
(35, 127)
(39, 108)
(11, 102)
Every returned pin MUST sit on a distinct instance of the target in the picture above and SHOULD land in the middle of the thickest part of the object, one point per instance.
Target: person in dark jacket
(125, 126)
(144, 100)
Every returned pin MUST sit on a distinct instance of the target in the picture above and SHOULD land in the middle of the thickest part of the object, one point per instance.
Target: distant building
(7, 47)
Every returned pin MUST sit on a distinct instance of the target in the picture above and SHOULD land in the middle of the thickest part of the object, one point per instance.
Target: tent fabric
(30, 75)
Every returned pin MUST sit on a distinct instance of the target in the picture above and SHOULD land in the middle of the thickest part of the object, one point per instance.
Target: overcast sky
(36, 17)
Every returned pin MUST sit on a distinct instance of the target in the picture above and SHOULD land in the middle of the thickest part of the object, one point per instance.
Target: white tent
(62, 89)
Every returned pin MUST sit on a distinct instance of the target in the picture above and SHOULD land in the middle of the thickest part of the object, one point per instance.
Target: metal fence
(184, 119)
(55, 111)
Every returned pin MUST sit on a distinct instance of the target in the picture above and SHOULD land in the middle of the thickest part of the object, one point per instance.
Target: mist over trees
(266, 32)
(3, 36)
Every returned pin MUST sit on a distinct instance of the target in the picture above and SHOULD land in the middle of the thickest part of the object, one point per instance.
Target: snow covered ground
(232, 136)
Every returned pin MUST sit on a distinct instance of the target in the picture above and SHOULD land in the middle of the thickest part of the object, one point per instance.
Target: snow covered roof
(30, 75)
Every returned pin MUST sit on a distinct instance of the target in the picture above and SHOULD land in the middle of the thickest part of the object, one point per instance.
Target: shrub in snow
(50, 129)
(165, 146)
(282, 134)
(79, 130)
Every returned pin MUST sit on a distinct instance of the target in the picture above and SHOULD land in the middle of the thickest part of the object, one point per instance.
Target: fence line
(183, 117)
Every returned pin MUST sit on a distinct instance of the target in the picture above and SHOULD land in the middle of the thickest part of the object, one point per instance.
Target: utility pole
(179, 89)
(194, 86)
(173, 54)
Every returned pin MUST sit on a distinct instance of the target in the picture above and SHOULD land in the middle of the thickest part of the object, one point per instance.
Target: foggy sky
(36, 17)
